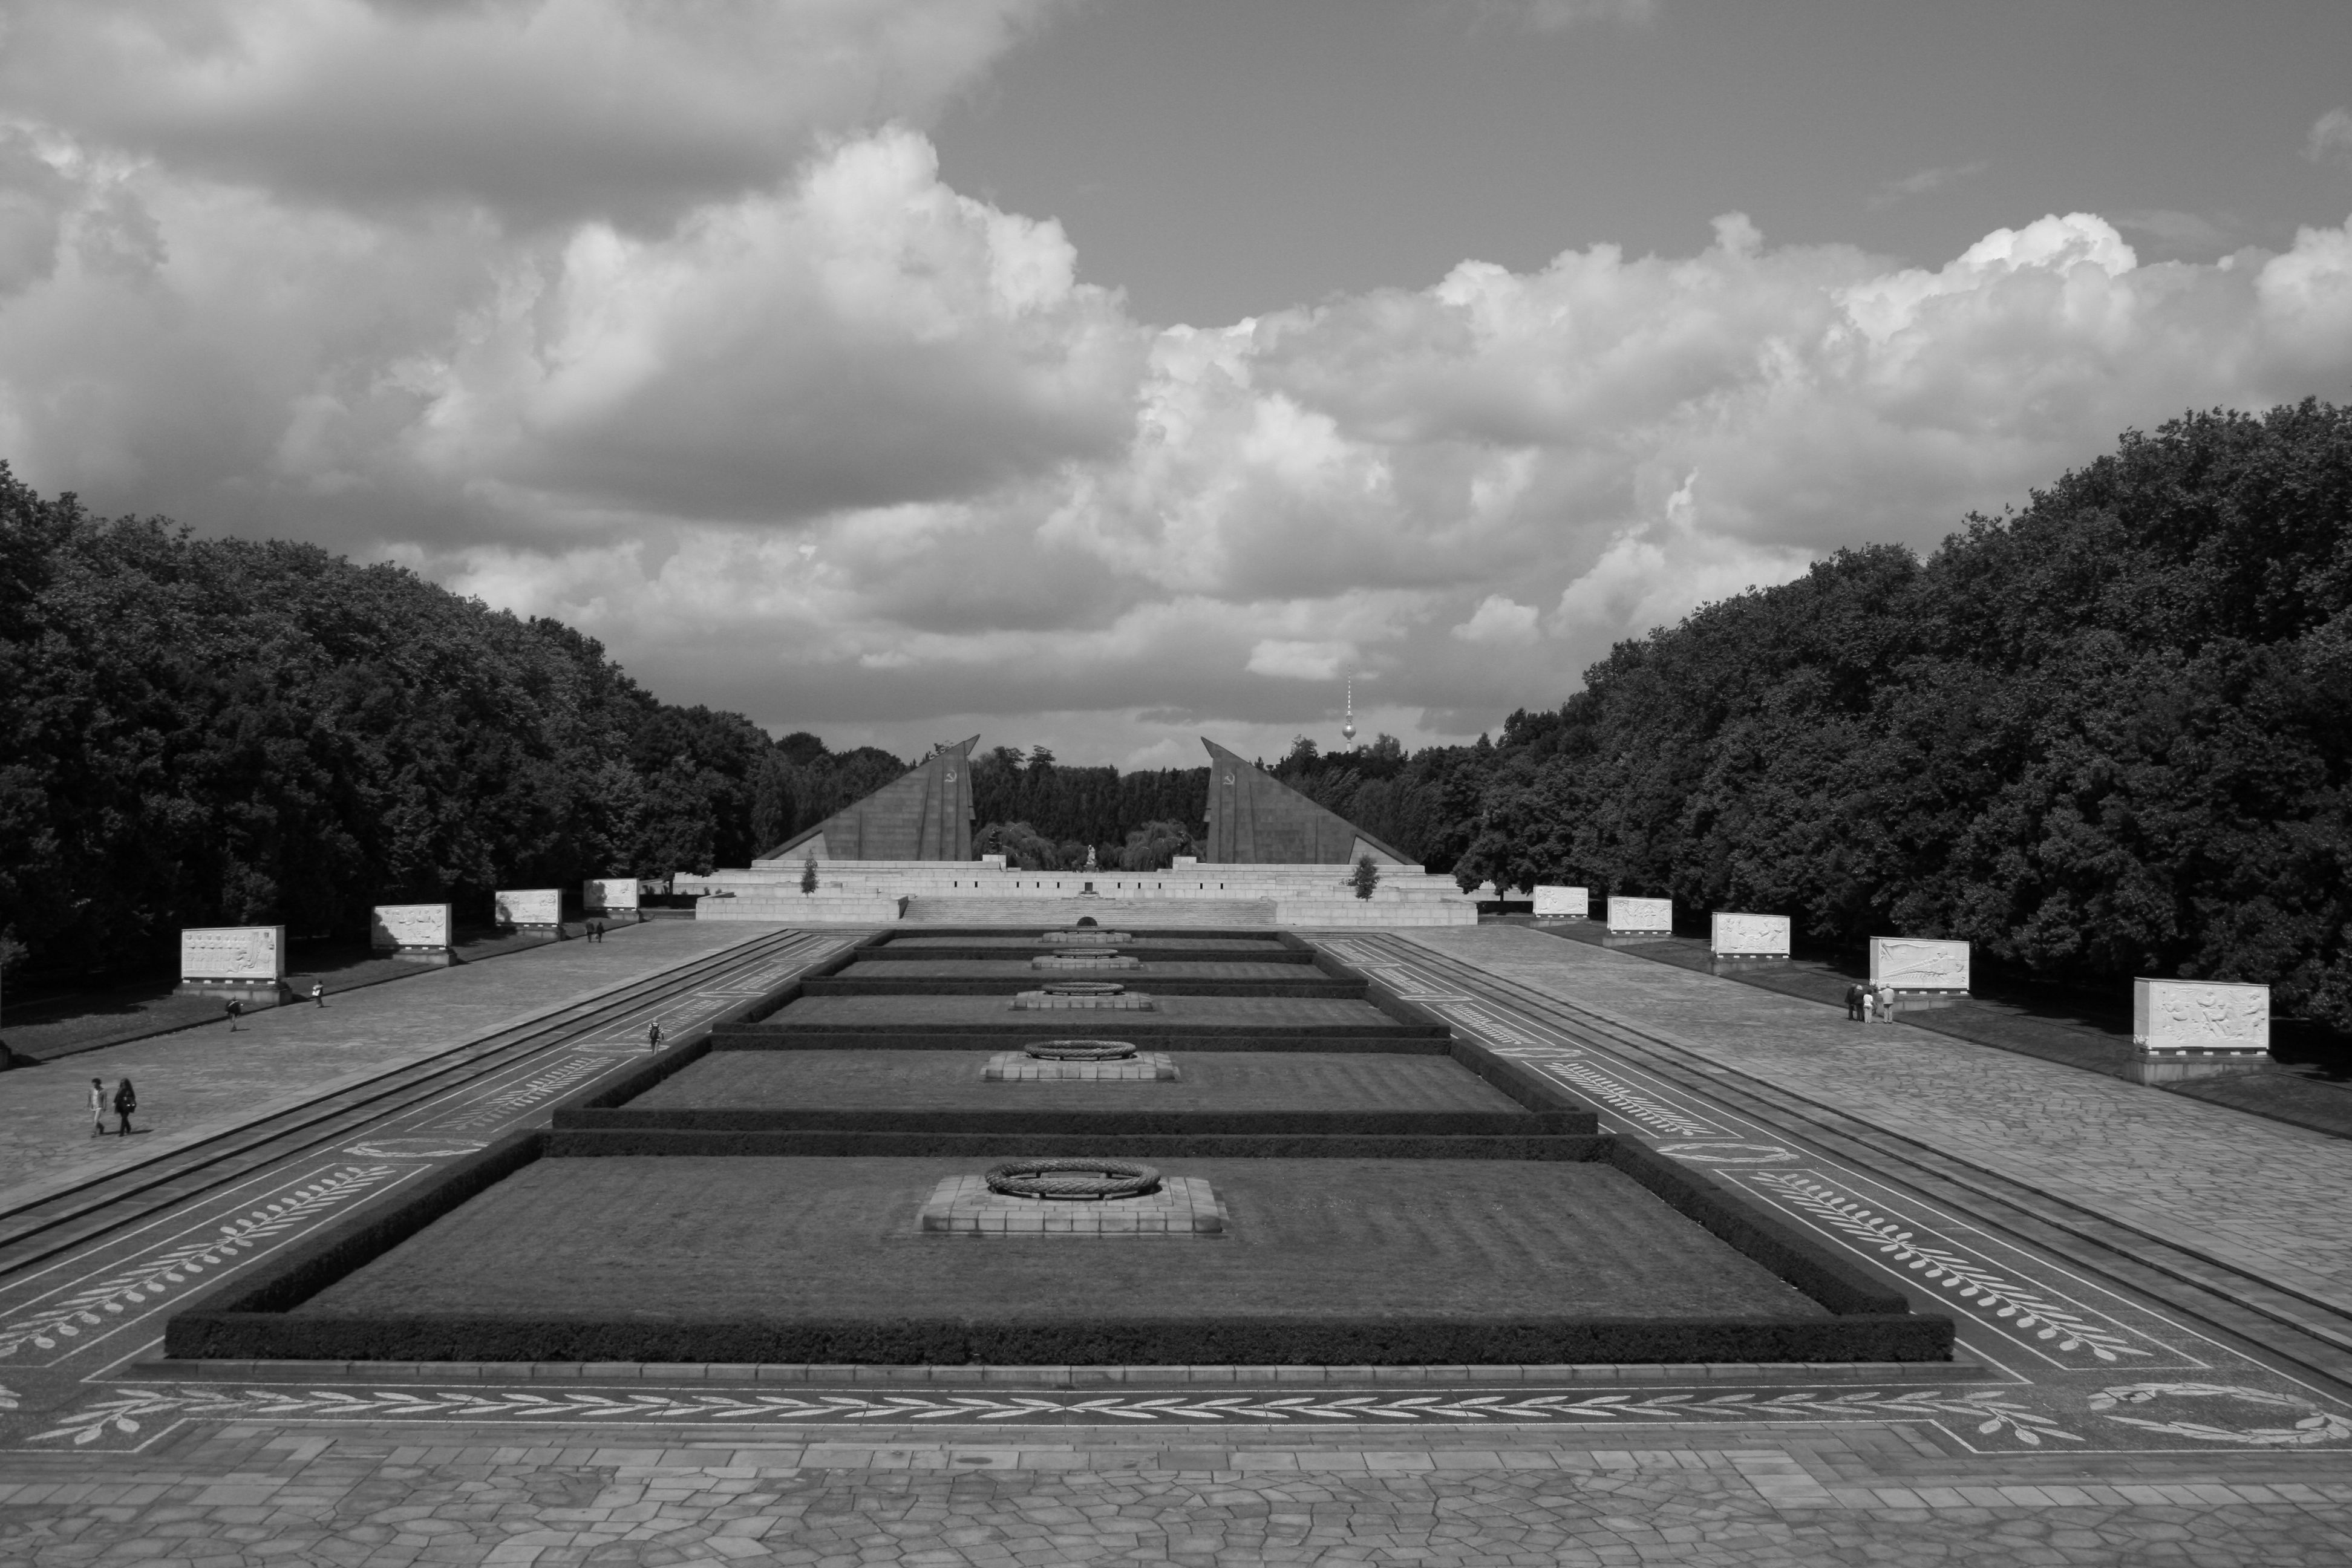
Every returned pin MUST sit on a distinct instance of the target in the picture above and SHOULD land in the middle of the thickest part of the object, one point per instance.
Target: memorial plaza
(894, 1204)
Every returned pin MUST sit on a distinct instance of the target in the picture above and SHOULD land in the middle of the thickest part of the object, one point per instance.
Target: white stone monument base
(1633, 938)
(1745, 963)
(438, 957)
(2179, 1066)
(255, 994)
(1926, 1001)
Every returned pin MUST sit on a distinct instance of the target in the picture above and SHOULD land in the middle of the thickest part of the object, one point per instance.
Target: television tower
(1348, 730)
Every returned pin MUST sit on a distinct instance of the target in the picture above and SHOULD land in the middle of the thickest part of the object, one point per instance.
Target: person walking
(653, 1035)
(236, 1010)
(1855, 997)
(97, 1107)
(319, 992)
(126, 1100)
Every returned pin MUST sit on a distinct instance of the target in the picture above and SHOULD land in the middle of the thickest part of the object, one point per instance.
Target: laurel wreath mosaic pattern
(1629, 1101)
(2049, 1320)
(2317, 1425)
(151, 1278)
(135, 1410)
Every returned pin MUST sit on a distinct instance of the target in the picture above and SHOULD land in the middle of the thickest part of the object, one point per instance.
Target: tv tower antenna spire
(1348, 730)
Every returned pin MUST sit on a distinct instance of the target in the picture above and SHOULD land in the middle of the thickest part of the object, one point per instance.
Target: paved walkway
(1871, 1495)
(2273, 1198)
(200, 1082)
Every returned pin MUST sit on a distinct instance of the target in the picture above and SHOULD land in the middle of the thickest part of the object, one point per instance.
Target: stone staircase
(1049, 913)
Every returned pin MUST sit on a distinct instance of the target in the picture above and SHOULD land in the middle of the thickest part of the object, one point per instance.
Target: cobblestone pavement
(259, 1495)
(2273, 1198)
(203, 1081)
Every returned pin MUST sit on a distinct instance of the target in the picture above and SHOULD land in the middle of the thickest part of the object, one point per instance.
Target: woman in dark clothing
(126, 1100)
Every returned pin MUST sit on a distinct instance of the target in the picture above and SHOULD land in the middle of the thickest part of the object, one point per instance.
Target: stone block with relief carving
(1640, 917)
(2192, 1028)
(530, 909)
(418, 933)
(1563, 903)
(1743, 941)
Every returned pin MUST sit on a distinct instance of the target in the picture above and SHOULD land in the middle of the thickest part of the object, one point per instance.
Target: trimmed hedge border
(1263, 953)
(1167, 1034)
(582, 1143)
(1124, 1123)
(1068, 1341)
(249, 1318)
(1319, 990)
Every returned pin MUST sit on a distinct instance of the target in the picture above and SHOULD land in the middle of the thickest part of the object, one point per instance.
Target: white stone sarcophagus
(1920, 963)
(232, 952)
(1563, 903)
(247, 962)
(609, 895)
(422, 932)
(1747, 936)
(2201, 1017)
(540, 909)
(1643, 916)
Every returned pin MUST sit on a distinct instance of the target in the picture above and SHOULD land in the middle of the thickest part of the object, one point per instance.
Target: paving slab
(2264, 1195)
(200, 1082)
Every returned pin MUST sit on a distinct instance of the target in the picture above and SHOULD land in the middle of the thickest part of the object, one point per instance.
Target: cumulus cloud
(2330, 141)
(832, 442)
(1498, 620)
(540, 110)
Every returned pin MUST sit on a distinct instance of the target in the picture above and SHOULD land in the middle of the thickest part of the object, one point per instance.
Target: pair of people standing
(125, 1099)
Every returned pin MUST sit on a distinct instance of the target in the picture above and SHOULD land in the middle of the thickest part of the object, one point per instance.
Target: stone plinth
(1020, 1067)
(1049, 1002)
(962, 1205)
(2198, 1028)
(1087, 937)
(1563, 903)
(1088, 961)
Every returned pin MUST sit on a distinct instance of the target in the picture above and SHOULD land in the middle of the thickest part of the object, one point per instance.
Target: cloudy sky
(1095, 373)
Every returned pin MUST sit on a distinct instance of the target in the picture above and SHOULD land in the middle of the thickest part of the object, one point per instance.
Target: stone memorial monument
(533, 911)
(1736, 942)
(1563, 903)
(1638, 920)
(2198, 1028)
(421, 933)
(1924, 972)
(244, 963)
(610, 899)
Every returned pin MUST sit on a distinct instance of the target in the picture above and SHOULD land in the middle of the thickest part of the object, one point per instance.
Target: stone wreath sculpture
(1084, 1180)
(1080, 1050)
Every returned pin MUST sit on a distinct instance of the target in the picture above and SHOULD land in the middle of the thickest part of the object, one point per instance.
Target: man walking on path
(236, 1010)
(319, 992)
(125, 1102)
(97, 1107)
(653, 1036)
(1855, 997)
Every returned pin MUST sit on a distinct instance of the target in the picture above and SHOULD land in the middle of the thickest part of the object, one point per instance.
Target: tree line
(2107, 734)
(226, 731)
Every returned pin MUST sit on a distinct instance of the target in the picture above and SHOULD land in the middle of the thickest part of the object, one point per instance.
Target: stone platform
(964, 1205)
